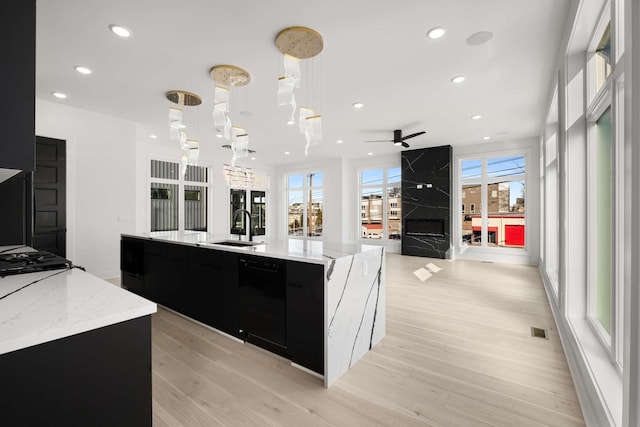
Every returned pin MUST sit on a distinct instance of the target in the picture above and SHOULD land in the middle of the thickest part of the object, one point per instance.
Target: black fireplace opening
(424, 227)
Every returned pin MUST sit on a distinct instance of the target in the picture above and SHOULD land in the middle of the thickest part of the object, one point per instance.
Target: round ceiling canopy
(301, 42)
(230, 75)
(182, 97)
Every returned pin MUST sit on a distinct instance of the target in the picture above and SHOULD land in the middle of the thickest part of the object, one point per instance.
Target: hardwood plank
(458, 352)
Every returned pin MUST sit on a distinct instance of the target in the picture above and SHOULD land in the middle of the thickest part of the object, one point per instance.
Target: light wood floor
(458, 352)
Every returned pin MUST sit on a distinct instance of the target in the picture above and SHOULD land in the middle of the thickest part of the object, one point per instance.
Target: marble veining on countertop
(294, 249)
(44, 306)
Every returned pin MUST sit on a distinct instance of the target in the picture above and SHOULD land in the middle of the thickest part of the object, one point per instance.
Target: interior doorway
(50, 196)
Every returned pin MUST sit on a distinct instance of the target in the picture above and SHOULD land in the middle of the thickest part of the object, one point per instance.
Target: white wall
(100, 175)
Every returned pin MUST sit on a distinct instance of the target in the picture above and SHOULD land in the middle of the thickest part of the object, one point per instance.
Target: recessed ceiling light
(457, 79)
(476, 117)
(358, 105)
(218, 135)
(59, 95)
(253, 158)
(486, 137)
(83, 70)
(120, 31)
(436, 33)
(286, 153)
(370, 154)
(339, 141)
(291, 122)
(153, 136)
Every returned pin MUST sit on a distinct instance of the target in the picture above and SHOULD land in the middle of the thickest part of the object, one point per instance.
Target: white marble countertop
(44, 306)
(294, 249)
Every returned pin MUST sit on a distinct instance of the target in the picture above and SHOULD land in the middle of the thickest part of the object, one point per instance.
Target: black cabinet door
(164, 267)
(17, 116)
(212, 286)
(305, 314)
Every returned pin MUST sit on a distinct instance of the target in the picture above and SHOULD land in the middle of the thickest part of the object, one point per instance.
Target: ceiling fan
(398, 139)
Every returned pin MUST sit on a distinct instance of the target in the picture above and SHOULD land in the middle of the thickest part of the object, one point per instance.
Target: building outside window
(178, 203)
(305, 204)
(380, 203)
(495, 185)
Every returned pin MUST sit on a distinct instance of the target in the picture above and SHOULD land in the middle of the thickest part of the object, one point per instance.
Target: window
(381, 201)
(494, 187)
(463, 208)
(304, 204)
(168, 188)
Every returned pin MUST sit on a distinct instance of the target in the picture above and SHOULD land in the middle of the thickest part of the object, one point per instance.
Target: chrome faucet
(248, 214)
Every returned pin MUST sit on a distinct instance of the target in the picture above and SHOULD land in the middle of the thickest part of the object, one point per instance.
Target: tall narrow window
(305, 204)
(602, 247)
(381, 203)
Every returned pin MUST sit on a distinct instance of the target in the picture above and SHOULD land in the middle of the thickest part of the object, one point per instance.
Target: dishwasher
(262, 302)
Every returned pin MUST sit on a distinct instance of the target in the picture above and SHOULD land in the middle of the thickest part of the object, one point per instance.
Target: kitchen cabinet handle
(295, 285)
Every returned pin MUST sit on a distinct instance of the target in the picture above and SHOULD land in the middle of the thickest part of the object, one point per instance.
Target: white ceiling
(375, 51)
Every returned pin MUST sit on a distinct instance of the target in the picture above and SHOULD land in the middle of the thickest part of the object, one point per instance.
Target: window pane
(195, 207)
(603, 58)
(394, 176)
(314, 214)
(166, 170)
(371, 213)
(258, 212)
(372, 177)
(471, 169)
(471, 220)
(315, 179)
(505, 166)
(196, 174)
(164, 206)
(603, 220)
(394, 214)
(295, 181)
(296, 213)
(506, 225)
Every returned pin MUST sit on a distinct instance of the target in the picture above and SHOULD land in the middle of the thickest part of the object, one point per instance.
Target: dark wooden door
(49, 190)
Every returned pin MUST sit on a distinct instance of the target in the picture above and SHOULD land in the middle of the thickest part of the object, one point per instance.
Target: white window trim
(181, 183)
(385, 214)
(487, 252)
(305, 200)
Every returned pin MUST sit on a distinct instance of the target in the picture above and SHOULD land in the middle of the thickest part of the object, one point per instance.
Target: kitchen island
(74, 350)
(328, 297)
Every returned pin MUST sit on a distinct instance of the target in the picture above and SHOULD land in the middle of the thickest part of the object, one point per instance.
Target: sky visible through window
(497, 168)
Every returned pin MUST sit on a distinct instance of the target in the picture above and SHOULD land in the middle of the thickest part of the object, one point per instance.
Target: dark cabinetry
(278, 304)
(305, 314)
(211, 289)
(17, 117)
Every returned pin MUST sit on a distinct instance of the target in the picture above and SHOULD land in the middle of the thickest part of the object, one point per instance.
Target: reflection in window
(603, 226)
(603, 58)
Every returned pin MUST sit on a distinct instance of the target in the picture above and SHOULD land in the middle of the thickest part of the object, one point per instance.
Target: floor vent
(539, 333)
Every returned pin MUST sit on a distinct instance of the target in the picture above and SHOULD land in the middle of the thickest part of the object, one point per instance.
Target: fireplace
(424, 227)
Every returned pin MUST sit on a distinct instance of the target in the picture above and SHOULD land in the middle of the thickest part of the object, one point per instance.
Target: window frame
(305, 201)
(386, 208)
(484, 181)
(609, 96)
(181, 182)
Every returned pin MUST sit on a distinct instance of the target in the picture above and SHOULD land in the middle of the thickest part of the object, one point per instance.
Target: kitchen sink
(238, 243)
